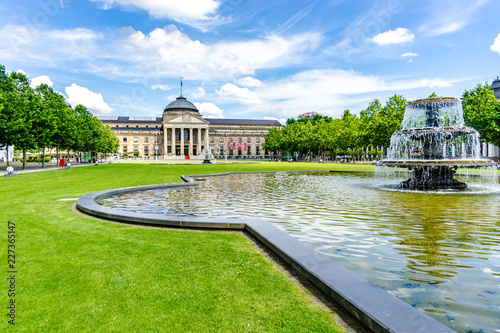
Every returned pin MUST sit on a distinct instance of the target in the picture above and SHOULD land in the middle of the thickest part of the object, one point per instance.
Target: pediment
(187, 118)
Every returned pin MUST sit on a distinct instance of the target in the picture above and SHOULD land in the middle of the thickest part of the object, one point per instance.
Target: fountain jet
(433, 143)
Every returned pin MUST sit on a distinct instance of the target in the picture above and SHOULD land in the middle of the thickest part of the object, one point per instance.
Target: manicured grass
(79, 274)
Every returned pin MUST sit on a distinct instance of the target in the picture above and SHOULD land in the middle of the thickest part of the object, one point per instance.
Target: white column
(207, 143)
(165, 141)
(464, 153)
(198, 141)
(182, 142)
(444, 150)
(173, 141)
(190, 141)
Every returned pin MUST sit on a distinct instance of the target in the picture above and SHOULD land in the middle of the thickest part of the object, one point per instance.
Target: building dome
(181, 104)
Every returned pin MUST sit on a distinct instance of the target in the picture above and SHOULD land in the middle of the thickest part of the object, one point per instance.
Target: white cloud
(230, 92)
(435, 83)
(495, 47)
(93, 101)
(52, 48)
(185, 11)
(159, 54)
(20, 71)
(449, 16)
(198, 93)
(249, 82)
(331, 91)
(398, 36)
(161, 87)
(209, 110)
(409, 54)
(41, 79)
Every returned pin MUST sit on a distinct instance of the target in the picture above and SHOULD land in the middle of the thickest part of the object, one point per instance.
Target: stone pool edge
(376, 308)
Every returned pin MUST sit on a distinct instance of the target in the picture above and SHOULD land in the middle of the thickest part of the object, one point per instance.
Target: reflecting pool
(438, 251)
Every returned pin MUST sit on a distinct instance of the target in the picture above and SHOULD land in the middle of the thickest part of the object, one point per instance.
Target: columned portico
(187, 128)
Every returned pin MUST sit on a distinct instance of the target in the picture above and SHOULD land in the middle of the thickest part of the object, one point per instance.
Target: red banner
(239, 145)
(234, 145)
(245, 146)
(228, 145)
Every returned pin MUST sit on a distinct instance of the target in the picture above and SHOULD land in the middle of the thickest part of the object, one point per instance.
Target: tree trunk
(24, 158)
(7, 154)
(43, 158)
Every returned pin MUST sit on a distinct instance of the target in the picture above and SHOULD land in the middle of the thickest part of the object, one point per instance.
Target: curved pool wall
(377, 309)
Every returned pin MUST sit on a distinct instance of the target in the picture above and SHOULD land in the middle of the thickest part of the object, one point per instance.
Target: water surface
(439, 252)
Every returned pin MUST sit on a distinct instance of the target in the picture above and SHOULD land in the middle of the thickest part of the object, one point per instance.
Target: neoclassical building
(182, 132)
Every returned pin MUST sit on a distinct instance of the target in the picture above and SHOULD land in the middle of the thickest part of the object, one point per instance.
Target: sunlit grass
(79, 274)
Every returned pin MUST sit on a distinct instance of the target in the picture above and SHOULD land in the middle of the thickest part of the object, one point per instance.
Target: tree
(43, 126)
(109, 143)
(482, 112)
(19, 108)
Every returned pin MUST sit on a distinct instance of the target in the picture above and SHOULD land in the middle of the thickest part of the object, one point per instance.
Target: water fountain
(433, 143)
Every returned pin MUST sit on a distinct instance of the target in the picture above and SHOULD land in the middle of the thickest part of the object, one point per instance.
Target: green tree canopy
(482, 112)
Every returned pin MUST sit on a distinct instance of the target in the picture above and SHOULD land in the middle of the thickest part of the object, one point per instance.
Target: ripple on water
(437, 251)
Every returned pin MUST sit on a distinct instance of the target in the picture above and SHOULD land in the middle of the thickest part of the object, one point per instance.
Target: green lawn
(79, 274)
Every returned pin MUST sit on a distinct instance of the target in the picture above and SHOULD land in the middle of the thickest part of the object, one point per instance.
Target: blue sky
(250, 59)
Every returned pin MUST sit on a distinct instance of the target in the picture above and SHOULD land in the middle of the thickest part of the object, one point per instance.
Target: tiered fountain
(433, 143)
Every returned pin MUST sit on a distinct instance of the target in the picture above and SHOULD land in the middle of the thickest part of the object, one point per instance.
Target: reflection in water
(437, 251)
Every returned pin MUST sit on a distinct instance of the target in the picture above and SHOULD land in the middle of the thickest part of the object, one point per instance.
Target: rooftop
(214, 121)
(496, 84)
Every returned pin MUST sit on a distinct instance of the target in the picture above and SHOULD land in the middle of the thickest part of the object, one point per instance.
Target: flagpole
(181, 85)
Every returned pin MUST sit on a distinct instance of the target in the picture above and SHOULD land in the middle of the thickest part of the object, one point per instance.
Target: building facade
(182, 132)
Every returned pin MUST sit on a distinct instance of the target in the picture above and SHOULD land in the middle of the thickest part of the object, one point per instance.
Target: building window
(249, 140)
(169, 149)
(124, 149)
(146, 139)
(230, 139)
(211, 140)
(146, 151)
(249, 150)
(257, 150)
(221, 152)
(124, 139)
(257, 140)
(136, 148)
(221, 140)
(136, 139)
(239, 140)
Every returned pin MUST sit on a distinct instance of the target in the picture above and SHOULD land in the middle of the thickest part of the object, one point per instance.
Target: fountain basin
(433, 143)
(377, 309)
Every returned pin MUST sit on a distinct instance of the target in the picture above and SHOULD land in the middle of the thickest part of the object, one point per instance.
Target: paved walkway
(36, 167)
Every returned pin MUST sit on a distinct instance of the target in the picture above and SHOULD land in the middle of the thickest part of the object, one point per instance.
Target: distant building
(495, 86)
(182, 132)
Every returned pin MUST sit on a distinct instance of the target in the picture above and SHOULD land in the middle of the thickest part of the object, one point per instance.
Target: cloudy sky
(250, 58)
